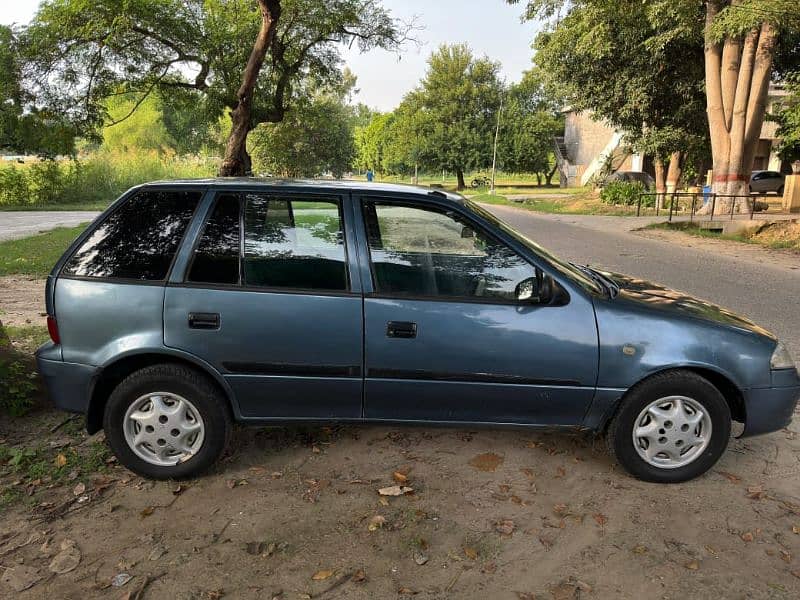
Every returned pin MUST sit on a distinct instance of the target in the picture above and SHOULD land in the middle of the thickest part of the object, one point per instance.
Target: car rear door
(266, 296)
(446, 340)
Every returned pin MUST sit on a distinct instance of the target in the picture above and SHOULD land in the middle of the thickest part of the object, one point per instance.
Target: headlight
(781, 359)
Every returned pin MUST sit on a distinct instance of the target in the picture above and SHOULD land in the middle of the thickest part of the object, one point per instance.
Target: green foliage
(98, 179)
(625, 193)
(81, 52)
(314, 138)
(636, 65)
(788, 119)
(18, 384)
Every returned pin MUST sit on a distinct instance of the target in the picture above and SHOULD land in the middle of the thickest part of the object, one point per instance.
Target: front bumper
(68, 384)
(771, 409)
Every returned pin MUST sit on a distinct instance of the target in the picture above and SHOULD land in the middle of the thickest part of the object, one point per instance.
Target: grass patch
(91, 206)
(782, 235)
(27, 338)
(36, 255)
(579, 203)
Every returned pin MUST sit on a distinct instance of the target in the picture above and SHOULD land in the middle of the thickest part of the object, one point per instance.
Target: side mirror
(535, 290)
(467, 232)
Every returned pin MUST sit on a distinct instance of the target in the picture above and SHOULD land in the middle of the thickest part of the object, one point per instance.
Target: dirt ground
(295, 513)
(22, 301)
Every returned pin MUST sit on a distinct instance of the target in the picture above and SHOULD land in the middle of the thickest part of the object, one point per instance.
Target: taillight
(52, 329)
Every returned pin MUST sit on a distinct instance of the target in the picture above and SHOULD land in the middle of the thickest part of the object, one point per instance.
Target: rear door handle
(203, 320)
(401, 329)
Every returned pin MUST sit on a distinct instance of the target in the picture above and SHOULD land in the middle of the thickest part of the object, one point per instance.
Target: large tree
(458, 101)
(740, 42)
(253, 58)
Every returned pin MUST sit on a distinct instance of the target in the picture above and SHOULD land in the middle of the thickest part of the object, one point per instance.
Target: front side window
(426, 252)
(293, 244)
(139, 239)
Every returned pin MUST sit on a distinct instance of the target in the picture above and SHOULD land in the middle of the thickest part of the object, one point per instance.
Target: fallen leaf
(528, 473)
(640, 549)
(747, 536)
(560, 509)
(796, 573)
(395, 490)
(504, 527)
(692, 565)
(320, 575)
(756, 492)
(795, 529)
(232, 483)
(383, 501)
(146, 512)
(67, 559)
(157, 552)
(121, 579)
(560, 472)
(470, 552)
(20, 577)
(407, 591)
(376, 522)
(420, 558)
(79, 489)
(525, 596)
(730, 476)
(786, 556)
(400, 476)
(600, 519)
(570, 589)
(359, 576)
(60, 460)
(488, 462)
(315, 449)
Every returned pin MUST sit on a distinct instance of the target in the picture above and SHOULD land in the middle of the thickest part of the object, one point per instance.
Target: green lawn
(93, 206)
(37, 254)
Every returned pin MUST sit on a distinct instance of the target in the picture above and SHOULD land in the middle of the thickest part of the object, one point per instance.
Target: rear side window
(139, 239)
(293, 244)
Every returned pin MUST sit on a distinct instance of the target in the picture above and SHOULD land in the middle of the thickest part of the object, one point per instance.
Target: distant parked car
(763, 182)
(633, 176)
(189, 305)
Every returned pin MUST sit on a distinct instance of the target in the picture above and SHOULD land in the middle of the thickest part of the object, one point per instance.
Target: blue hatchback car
(189, 305)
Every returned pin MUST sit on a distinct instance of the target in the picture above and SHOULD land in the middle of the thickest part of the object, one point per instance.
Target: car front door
(266, 297)
(446, 338)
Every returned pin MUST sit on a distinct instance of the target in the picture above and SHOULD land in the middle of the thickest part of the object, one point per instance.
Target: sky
(491, 28)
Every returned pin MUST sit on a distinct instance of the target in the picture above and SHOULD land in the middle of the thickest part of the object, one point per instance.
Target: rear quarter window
(138, 240)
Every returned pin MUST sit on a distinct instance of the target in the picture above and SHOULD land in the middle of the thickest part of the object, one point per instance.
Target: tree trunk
(674, 174)
(737, 82)
(548, 177)
(658, 164)
(460, 178)
(236, 161)
(538, 180)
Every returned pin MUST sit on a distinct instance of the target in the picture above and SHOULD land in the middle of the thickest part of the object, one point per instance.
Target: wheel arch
(730, 391)
(114, 372)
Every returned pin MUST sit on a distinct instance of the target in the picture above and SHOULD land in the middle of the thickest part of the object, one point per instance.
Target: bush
(622, 192)
(97, 179)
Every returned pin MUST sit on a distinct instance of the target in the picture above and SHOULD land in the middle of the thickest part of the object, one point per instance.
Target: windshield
(565, 268)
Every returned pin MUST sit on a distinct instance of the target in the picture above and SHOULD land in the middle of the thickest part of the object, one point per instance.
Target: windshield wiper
(608, 284)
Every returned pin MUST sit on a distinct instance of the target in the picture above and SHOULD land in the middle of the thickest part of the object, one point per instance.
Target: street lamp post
(494, 152)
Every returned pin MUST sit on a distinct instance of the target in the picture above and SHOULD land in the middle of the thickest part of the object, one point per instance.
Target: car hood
(658, 297)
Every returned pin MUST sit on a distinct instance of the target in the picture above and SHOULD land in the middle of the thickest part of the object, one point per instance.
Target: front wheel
(167, 422)
(670, 428)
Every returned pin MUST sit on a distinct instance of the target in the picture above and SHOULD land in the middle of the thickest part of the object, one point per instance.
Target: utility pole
(494, 153)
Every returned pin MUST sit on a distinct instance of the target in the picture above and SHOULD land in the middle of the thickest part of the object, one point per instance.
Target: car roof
(337, 185)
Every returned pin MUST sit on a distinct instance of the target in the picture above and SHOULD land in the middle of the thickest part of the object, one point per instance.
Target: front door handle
(401, 329)
(203, 320)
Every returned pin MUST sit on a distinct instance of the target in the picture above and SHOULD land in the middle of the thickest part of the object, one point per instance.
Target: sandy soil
(493, 514)
(22, 301)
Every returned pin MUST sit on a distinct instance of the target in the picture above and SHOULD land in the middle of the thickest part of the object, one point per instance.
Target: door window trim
(333, 198)
(441, 209)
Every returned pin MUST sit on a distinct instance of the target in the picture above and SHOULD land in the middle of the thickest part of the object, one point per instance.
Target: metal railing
(692, 202)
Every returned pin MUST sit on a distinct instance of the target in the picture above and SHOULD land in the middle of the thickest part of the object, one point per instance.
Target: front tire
(671, 427)
(167, 422)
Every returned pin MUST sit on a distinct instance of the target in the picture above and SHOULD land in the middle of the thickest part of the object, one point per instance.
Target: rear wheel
(670, 428)
(167, 422)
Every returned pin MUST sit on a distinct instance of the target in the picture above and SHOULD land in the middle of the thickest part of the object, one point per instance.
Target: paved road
(17, 224)
(748, 283)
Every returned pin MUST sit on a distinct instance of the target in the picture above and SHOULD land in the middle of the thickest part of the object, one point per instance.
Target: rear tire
(669, 428)
(181, 415)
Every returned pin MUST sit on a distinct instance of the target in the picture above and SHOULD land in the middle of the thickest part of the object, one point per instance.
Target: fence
(690, 202)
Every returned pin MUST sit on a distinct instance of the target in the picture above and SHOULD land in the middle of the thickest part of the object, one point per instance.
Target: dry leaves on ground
(321, 575)
(488, 461)
(395, 490)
